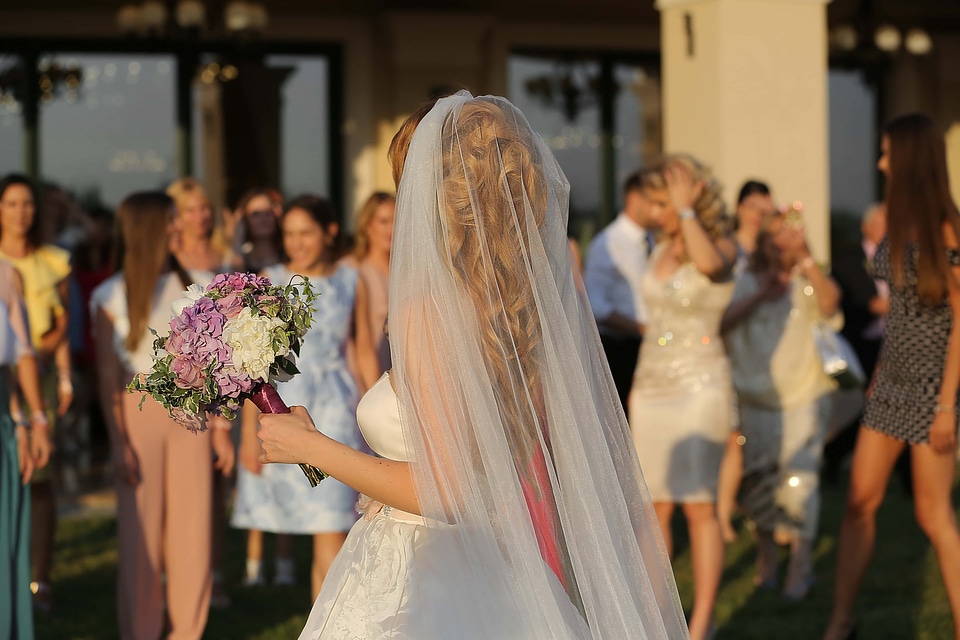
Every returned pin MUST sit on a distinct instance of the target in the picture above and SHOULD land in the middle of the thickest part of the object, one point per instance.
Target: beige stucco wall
(752, 99)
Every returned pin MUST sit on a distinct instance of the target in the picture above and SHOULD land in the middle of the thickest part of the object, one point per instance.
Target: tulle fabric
(555, 537)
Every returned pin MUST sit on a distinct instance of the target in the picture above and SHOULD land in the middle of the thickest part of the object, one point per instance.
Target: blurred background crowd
(149, 146)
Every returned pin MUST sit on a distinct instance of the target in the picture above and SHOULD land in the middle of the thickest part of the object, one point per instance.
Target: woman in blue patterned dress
(277, 498)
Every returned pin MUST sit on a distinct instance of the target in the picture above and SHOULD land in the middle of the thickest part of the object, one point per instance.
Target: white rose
(250, 337)
(193, 293)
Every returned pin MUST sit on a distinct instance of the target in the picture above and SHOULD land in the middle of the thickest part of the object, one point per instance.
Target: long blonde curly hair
(492, 181)
(710, 207)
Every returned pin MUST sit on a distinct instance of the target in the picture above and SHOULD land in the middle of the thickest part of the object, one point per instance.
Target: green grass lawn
(902, 596)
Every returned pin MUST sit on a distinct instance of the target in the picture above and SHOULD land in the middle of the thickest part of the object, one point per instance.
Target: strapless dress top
(378, 415)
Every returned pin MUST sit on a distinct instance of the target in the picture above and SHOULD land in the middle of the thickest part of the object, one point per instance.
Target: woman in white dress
(784, 395)
(681, 403)
(277, 498)
(506, 500)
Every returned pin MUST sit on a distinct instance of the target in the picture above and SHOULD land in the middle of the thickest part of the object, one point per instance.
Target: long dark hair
(321, 211)
(34, 238)
(143, 220)
(918, 204)
(751, 187)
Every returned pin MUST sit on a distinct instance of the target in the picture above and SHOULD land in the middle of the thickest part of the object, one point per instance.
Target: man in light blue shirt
(613, 274)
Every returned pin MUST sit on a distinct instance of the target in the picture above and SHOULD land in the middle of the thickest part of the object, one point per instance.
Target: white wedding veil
(539, 524)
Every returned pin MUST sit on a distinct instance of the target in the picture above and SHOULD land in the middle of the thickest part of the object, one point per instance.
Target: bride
(506, 500)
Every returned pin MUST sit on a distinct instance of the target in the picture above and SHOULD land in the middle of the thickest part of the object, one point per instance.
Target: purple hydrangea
(227, 282)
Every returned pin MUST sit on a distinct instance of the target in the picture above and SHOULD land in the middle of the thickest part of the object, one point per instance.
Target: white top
(111, 296)
(614, 271)
(775, 362)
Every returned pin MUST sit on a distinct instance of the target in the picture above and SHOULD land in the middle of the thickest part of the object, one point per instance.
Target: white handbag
(839, 360)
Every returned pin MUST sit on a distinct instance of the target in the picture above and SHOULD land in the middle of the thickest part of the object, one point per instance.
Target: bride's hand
(286, 437)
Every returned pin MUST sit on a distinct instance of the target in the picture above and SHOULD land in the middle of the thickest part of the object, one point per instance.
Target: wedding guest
(783, 393)
(372, 255)
(912, 401)
(278, 498)
(506, 503)
(163, 473)
(753, 203)
(44, 269)
(681, 404)
(18, 368)
(199, 244)
(613, 276)
(258, 243)
(196, 241)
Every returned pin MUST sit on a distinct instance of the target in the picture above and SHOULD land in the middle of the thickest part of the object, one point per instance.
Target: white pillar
(745, 90)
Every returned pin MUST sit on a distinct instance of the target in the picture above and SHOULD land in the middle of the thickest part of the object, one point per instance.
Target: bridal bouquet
(227, 343)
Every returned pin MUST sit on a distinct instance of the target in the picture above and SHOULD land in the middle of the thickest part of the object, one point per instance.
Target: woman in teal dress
(16, 462)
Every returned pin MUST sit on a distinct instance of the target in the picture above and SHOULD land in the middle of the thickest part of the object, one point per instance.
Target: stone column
(745, 90)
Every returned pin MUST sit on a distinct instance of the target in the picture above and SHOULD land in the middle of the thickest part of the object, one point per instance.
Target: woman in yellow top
(44, 270)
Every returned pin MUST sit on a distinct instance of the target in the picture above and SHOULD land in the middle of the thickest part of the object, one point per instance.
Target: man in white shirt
(616, 262)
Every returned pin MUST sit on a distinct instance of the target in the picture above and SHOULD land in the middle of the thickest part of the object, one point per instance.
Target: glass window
(107, 123)
(11, 115)
(565, 98)
(304, 129)
(262, 123)
(568, 122)
(637, 140)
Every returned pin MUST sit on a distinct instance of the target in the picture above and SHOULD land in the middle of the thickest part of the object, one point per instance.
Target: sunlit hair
(397, 153)
(493, 184)
(143, 220)
(492, 196)
(760, 259)
(710, 208)
(34, 233)
(181, 190)
(366, 214)
(918, 204)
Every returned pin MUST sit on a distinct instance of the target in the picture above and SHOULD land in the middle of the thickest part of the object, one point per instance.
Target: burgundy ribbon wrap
(266, 398)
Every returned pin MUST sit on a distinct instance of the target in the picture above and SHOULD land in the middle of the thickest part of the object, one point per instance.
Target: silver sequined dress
(682, 405)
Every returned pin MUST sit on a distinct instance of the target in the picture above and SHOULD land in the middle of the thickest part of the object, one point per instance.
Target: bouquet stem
(266, 398)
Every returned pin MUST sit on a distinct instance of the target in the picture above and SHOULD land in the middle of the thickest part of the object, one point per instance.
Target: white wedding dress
(370, 592)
